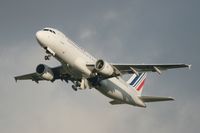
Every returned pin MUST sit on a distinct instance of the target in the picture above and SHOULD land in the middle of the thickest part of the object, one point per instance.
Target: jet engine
(45, 72)
(104, 68)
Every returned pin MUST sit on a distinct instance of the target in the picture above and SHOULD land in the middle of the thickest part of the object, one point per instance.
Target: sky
(128, 31)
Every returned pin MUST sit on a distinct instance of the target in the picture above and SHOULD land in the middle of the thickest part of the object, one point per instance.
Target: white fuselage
(75, 59)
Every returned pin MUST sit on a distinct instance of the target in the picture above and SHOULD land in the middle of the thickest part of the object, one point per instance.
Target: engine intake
(104, 68)
(45, 72)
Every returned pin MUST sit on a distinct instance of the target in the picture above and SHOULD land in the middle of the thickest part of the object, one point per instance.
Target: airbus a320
(85, 71)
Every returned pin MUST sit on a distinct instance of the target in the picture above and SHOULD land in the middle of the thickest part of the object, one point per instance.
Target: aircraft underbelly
(75, 59)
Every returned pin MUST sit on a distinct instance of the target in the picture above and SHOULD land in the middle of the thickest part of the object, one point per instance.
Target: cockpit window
(49, 31)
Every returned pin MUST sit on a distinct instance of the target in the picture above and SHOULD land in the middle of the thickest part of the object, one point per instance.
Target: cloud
(110, 15)
(129, 32)
(87, 34)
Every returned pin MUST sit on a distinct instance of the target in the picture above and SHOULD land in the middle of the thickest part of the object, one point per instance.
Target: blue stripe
(138, 81)
(135, 79)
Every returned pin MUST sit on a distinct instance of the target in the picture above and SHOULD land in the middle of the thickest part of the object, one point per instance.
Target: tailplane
(155, 99)
(137, 82)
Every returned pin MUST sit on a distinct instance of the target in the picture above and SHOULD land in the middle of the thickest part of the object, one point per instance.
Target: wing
(32, 76)
(131, 68)
(140, 68)
(57, 71)
(155, 99)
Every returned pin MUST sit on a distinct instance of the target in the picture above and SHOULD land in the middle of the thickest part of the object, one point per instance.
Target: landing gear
(81, 84)
(49, 53)
(74, 88)
(76, 85)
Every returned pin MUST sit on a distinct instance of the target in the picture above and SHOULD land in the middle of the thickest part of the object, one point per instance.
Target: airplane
(85, 71)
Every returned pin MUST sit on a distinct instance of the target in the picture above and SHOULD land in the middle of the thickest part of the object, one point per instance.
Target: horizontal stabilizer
(155, 99)
(115, 102)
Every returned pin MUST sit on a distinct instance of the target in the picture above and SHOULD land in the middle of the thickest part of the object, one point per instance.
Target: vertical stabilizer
(137, 82)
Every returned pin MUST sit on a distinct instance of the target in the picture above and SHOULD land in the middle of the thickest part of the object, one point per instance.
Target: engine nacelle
(45, 72)
(104, 68)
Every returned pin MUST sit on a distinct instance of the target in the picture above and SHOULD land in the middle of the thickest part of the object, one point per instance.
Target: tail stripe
(140, 81)
(137, 82)
(140, 86)
(137, 79)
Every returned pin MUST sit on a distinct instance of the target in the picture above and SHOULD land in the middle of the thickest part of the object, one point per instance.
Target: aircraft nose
(38, 35)
(40, 38)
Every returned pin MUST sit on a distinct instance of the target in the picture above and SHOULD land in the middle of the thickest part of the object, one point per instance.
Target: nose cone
(40, 38)
(38, 35)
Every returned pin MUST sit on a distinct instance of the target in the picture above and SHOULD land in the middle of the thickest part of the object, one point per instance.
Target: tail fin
(137, 82)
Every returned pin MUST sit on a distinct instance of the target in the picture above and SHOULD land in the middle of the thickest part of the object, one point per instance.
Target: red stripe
(140, 86)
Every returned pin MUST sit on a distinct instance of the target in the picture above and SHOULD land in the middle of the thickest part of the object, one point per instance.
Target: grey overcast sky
(125, 31)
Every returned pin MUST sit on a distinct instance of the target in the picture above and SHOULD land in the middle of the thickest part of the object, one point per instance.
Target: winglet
(189, 66)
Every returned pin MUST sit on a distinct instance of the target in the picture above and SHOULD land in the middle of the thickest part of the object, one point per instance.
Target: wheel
(74, 87)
